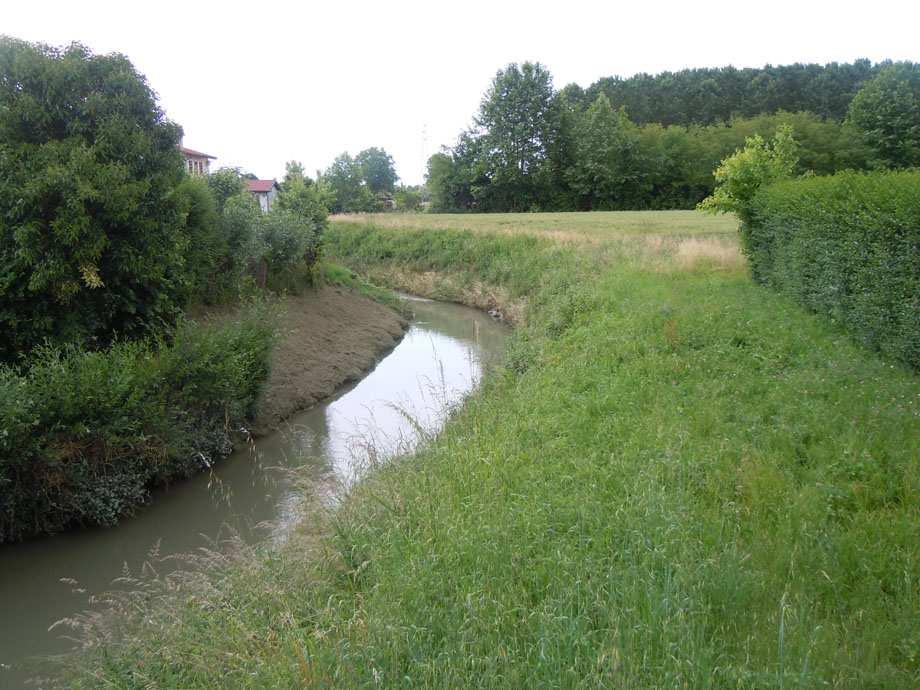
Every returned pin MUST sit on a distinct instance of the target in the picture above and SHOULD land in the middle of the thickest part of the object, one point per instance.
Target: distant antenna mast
(424, 148)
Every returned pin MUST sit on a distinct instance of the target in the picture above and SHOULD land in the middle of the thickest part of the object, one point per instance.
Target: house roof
(195, 154)
(260, 185)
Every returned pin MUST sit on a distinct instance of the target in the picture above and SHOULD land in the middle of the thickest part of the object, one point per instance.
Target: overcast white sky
(260, 83)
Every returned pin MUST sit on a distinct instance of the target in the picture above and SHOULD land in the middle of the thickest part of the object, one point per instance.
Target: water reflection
(440, 359)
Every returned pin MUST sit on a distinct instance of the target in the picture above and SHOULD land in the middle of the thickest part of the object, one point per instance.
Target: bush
(847, 246)
(740, 175)
(91, 233)
(287, 241)
(207, 247)
(84, 435)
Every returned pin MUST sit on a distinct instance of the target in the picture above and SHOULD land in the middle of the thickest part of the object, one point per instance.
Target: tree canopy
(92, 236)
(887, 111)
(354, 183)
(377, 170)
(652, 142)
(717, 94)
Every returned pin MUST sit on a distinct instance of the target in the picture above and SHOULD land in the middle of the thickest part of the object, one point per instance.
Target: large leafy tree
(887, 111)
(606, 171)
(345, 181)
(92, 236)
(439, 178)
(517, 124)
(377, 170)
(455, 175)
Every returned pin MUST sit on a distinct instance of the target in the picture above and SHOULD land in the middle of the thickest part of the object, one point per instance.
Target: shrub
(740, 175)
(847, 246)
(91, 234)
(85, 434)
(286, 240)
(207, 241)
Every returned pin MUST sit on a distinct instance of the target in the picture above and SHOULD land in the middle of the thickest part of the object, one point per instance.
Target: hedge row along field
(680, 479)
(85, 434)
(847, 246)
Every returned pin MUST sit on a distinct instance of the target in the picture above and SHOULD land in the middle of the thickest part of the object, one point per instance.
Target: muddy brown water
(439, 361)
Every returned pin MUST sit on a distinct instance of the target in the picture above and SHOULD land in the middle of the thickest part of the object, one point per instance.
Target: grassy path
(679, 480)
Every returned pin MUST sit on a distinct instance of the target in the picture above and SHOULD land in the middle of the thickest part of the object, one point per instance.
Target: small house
(264, 191)
(196, 162)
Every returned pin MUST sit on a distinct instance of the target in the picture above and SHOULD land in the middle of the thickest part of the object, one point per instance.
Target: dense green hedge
(848, 246)
(85, 434)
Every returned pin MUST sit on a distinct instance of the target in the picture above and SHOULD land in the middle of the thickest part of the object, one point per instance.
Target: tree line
(365, 183)
(532, 147)
(717, 94)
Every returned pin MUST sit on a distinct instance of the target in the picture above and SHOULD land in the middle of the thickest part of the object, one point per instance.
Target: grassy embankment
(681, 479)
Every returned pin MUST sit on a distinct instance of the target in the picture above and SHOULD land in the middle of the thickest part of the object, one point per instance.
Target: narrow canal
(253, 492)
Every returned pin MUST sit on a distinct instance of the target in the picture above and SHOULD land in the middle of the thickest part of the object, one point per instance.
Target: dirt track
(329, 337)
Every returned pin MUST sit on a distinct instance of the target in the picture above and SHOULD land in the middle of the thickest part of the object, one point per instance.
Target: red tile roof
(260, 185)
(195, 154)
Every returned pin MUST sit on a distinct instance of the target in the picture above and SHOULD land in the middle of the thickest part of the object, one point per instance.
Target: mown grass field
(679, 479)
(593, 227)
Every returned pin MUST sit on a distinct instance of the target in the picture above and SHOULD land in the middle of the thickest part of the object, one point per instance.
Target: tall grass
(680, 479)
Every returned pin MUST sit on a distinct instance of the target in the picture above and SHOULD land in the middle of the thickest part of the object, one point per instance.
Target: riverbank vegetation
(86, 433)
(106, 388)
(679, 478)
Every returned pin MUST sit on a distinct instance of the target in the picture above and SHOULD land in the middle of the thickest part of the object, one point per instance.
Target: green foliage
(409, 197)
(740, 175)
(287, 240)
(224, 184)
(301, 196)
(239, 221)
(353, 184)
(847, 246)
(605, 172)
(208, 245)
(449, 178)
(377, 170)
(710, 95)
(887, 111)
(346, 183)
(284, 241)
(91, 230)
(85, 434)
(668, 491)
(587, 154)
(516, 126)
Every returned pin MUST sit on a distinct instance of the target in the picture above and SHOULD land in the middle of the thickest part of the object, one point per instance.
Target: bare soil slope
(329, 337)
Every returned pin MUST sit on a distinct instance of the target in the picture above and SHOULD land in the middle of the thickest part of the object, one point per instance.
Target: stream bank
(267, 491)
(330, 337)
